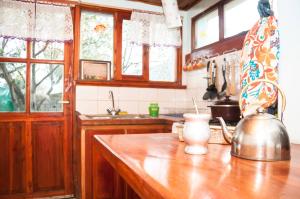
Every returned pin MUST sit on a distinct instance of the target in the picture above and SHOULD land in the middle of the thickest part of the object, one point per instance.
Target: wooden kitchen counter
(155, 166)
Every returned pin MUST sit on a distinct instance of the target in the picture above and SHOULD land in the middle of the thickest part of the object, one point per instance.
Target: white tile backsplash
(131, 94)
(148, 94)
(103, 93)
(143, 107)
(87, 106)
(166, 107)
(86, 92)
(166, 95)
(180, 95)
(132, 107)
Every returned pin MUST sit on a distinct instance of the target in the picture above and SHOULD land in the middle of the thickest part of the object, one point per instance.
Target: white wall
(289, 69)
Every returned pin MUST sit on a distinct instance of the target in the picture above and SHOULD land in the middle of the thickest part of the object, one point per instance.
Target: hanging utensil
(224, 86)
(213, 89)
(227, 77)
(206, 95)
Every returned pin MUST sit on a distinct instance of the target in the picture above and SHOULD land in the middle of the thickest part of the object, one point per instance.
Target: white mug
(196, 132)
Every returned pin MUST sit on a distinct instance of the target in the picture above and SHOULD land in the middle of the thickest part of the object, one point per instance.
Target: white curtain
(171, 12)
(25, 20)
(152, 30)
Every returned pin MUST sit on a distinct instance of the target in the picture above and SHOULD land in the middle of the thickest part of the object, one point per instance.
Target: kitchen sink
(106, 116)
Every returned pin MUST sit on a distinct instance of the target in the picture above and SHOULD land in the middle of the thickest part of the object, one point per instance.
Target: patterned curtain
(151, 29)
(41, 22)
(260, 60)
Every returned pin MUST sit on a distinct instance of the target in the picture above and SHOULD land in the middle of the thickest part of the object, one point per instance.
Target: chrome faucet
(113, 110)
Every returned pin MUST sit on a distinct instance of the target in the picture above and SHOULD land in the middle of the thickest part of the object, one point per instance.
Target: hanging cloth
(171, 13)
(152, 30)
(35, 21)
(260, 59)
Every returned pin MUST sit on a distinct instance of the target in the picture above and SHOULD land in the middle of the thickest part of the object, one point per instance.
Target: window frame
(224, 44)
(119, 79)
(145, 58)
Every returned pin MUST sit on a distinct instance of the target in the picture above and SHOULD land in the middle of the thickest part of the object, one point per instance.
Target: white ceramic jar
(196, 133)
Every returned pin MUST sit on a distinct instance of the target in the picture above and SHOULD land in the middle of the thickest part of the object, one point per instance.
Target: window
(105, 35)
(97, 36)
(44, 67)
(137, 60)
(239, 16)
(132, 55)
(162, 64)
(224, 20)
(207, 29)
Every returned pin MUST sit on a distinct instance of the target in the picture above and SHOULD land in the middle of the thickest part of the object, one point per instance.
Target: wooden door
(12, 164)
(35, 119)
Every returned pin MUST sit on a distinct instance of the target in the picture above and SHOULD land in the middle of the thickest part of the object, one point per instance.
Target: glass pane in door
(12, 87)
(46, 87)
(47, 50)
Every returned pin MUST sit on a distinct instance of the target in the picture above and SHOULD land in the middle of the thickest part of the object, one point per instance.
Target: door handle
(64, 102)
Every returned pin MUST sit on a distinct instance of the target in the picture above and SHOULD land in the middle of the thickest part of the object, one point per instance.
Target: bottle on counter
(153, 110)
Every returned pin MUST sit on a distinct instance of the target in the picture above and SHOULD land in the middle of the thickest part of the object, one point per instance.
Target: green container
(153, 110)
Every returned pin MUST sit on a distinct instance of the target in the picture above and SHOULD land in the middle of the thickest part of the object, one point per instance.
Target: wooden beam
(182, 4)
(151, 2)
(187, 4)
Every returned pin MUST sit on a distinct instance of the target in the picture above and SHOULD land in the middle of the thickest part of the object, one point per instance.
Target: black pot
(228, 109)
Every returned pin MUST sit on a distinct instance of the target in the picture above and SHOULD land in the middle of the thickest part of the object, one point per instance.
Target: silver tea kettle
(260, 136)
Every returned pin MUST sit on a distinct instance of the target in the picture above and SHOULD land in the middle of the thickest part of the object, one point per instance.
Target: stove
(216, 122)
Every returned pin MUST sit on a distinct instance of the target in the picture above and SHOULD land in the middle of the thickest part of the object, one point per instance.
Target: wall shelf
(139, 84)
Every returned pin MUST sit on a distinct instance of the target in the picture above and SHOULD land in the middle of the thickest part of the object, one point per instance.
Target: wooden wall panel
(87, 160)
(48, 156)
(4, 158)
(142, 129)
(12, 158)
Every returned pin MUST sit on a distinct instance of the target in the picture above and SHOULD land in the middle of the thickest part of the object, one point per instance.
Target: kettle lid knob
(260, 110)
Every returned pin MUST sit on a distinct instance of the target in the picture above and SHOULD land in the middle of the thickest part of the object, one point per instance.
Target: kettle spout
(227, 135)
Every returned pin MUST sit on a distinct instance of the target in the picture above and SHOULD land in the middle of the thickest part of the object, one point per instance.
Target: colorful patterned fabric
(260, 58)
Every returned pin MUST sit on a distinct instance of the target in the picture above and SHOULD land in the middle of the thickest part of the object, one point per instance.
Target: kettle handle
(266, 81)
